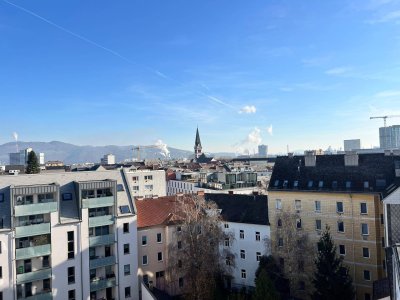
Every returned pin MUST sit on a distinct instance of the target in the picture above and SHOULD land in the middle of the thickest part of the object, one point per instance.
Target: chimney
(310, 159)
(230, 192)
(351, 159)
(139, 198)
(388, 152)
(290, 154)
(396, 152)
(200, 193)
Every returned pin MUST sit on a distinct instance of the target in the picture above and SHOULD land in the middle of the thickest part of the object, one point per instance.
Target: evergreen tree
(265, 289)
(33, 164)
(331, 279)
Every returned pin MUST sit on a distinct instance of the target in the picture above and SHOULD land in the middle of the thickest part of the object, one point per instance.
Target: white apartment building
(146, 183)
(108, 159)
(68, 236)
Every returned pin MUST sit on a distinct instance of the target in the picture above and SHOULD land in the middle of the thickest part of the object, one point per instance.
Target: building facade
(68, 236)
(262, 150)
(353, 144)
(146, 183)
(389, 137)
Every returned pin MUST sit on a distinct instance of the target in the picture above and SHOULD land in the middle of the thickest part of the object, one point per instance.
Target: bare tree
(295, 252)
(196, 255)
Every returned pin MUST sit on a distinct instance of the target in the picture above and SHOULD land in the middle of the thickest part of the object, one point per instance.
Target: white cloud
(338, 71)
(387, 94)
(252, 140)
(248, 109)
(269, 130)
(393, 16)
(254, 137)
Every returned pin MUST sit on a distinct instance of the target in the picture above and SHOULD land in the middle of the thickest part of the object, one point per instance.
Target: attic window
(296, 183)
(348, 184)
(276, 183)
(380, 183)
(320, 184)
(124, 209)
(310, 184)
(366, 184)
(334, 184)
(120, 187)
(285, 184)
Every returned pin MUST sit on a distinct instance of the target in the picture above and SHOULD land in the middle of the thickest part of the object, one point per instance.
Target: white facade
(354, 144)
(108, 159)
(247, 246)
(69, 240)
(147, 183)
(187, 187)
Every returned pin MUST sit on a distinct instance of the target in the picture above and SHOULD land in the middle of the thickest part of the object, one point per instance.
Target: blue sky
(307, 74)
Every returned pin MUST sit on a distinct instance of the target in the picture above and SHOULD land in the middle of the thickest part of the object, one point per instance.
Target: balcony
(101, 262)
(101, 240)
(34, 276)
(35, 251)
(98, 202)
(35, 209)
(32, 230)
(40, 296)
(101, 221)
(102, 284)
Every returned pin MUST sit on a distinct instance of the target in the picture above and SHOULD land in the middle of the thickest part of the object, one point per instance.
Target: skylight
(124, 209)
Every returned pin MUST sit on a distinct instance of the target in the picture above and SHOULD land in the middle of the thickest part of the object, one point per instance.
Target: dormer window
(296, 184)
(348, 184)
(334, 184)
(310, 184)
(320, 184)
(366, 184)
(285, 184)
(276, 183)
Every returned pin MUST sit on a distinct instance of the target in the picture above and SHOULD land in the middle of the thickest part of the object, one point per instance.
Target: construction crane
(385, 117)
(138, 148)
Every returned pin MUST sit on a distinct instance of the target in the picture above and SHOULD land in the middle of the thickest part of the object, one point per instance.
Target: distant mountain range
(69, 153)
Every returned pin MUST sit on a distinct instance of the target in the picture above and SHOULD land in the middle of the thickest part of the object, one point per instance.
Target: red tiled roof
(157, 211)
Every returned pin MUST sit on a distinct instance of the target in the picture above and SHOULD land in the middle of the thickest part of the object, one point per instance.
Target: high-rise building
(68, 236)
(262, 150)
(21, 157)
(389, 137)
(353, 144)
(108, 159)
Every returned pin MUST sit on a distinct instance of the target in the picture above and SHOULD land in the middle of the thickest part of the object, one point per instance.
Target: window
(1, 295)
(127, 270)
(339, 207)
(126, 248)
(364, 229)
(367, 275)
(334, 184)
(297, 204)
(144, 240)
(71, 244)
(342, 250)
(148, 186)
(135, 188)
(135, 178)
(159, 238)
(226, 242)
(285, 184)
(366, 185)
(382, 220)
(67, 196)
(46, 284)
(180, 281)
(318, 225)
(298, 223)
(1, 197)
(0, 247)
(71, 275)
(120, 187)
(241, 234)
(128, 292)
(124, 209)
(320, 184)
(126, 228)
(302, 285)
(296, 184)
(159, 256)
(276, 183)
(340, 226)
(160, 274)
(179, 228)
(365, 252)
(280, 242)
(228, 261)
(45, 262)
(367, 296)
(179, 263)
(279, 223)
(148, 177)
(179, 244)
(363, 208)
(1, 272)
(310, 184)
(348, 184)
(71, 295)
(258, 237)
(226, 225)
(258, 256)
(318, 206)
(278, 204)
(243, 274)
(242, 254)
(144, 260)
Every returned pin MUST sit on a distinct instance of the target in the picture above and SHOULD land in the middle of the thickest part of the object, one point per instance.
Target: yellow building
(343, 192)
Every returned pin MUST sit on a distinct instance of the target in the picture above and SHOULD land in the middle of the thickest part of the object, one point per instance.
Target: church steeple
(197, 145)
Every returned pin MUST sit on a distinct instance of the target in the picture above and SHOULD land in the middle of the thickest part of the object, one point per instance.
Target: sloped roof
(152, 212)
(249, 209)
(197, 142)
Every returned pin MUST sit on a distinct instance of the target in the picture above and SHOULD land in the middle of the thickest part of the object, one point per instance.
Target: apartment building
(344, 192)
(146, 183)
(68, 236)
(246, 221)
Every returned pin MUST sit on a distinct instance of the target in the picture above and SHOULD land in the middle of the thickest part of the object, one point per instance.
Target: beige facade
(362, 252)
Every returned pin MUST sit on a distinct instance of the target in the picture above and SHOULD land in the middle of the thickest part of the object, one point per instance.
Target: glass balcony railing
(101, 240)
(40, 296)
(98, 202)
(34, 276)
(35, 251)
(35, 209)
(101, 221)
(102, 284)
(101, 262)
(32, 230)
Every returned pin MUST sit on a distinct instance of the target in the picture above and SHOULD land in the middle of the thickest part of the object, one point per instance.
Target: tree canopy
(33, 166)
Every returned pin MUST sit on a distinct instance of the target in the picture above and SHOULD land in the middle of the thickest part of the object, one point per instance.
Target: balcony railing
(101, 262)
(101, 240)
(102, 284)
(34, 276)
(98, 202)
(35, 251)
(35, 209)
(40, 296)
(32, 230)
(101, 221)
